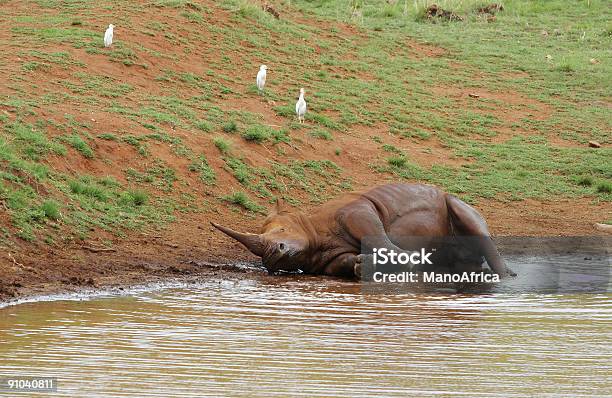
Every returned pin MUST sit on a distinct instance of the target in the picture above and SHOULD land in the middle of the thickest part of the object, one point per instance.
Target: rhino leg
(344, 265)
(363, 221)
(467, 221)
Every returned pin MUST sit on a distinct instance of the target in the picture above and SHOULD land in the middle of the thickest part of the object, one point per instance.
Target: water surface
(254, 335)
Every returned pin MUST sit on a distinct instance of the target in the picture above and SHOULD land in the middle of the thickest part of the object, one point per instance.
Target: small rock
(594, 144)
(603, 228)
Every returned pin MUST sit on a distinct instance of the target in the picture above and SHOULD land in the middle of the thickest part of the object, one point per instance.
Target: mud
(190, 245)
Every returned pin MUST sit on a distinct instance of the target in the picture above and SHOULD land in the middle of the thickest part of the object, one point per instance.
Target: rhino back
(410, 209)
(403, 198)
(403, 209)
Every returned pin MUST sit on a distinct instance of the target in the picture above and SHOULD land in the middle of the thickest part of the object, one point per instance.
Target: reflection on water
(261, 336)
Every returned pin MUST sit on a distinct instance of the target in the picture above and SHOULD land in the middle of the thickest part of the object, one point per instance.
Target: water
(254, 335)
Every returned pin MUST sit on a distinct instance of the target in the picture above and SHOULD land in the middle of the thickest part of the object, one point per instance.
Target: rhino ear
(280, 206)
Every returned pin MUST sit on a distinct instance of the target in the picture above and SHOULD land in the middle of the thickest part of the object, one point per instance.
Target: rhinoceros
(327, 240)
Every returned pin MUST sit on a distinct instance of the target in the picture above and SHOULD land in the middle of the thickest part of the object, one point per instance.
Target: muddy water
(253, 335)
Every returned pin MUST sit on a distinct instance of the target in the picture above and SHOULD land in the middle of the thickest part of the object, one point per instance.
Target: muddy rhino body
(328, 239)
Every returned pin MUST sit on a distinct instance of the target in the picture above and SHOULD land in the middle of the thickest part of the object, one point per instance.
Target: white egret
(300, 107)
(261, 77)
(108, 36)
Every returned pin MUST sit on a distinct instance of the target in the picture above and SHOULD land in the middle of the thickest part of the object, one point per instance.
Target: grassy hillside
(168, 125)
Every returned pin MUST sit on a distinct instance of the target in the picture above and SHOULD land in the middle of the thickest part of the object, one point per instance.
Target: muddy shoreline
(77, 270)
(205, 272)
(134, 261)
(139, 274)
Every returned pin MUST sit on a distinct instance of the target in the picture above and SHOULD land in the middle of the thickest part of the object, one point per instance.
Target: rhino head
(282, 243)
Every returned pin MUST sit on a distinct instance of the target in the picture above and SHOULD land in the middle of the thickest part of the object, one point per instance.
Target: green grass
(317, 178)
(88, 189)
(397, 161)
(222, 145)
(242, 199)
(204, 126)
(108, 137)
(134, 198)
(604, 187)
(158, 175)
(322, 134)
(257, 133)
(80, 145)
(34, 144)
(585, 181)
(51, 210)
(279, 136)
(390, 76)
(391, 148)
(230, 127)
(206, 173)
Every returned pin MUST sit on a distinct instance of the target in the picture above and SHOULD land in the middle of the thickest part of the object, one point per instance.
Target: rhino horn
(252, 242)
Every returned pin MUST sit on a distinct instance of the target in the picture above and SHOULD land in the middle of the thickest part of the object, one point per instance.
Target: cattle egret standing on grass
(108, 36)
(261, 78)
(300, 107)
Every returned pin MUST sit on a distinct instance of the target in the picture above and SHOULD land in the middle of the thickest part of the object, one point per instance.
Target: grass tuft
(257, 133)
(397, 161)
(51, 210)
(230, 127)
(80, 145)
(222, 145)
(322, 134)
(207, 174)
(89, 190)
(134, 198)
(604, 187)
(242, 199)
(585, 181)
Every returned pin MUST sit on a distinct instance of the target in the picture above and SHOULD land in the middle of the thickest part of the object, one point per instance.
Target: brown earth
(176, 249)
(182, 248)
